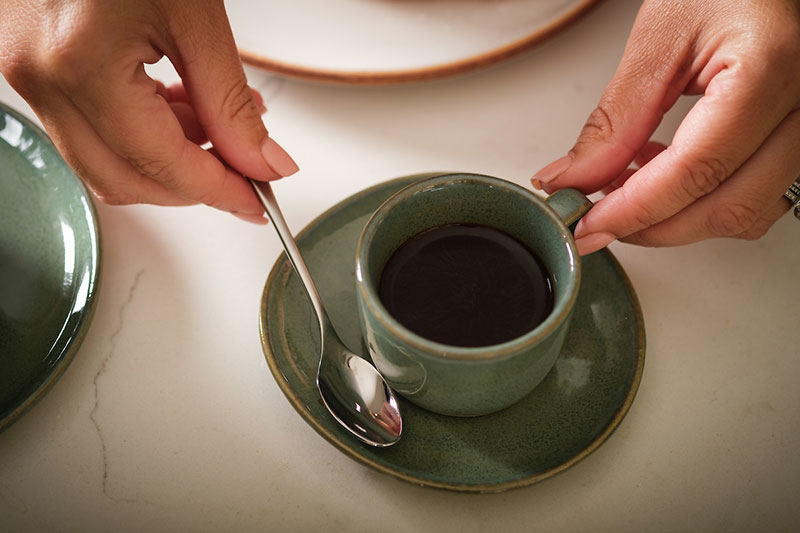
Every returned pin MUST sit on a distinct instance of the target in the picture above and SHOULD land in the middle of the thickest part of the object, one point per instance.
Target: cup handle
(570, 205)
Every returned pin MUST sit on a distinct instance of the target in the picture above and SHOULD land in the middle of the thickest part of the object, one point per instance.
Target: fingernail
(551, 171)
(253, 219)
(593, 242)
(277, 158)
(580, 229)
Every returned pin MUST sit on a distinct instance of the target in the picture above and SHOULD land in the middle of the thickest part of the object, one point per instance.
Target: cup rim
(369, 294)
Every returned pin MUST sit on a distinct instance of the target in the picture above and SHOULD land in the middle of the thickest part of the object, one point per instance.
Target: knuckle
(599, 126)
(238, 103)
(702, 176)
(632, 215)
(756, 231)
(67, 68)
(70, 57)
(15, 66)
(642, 215)
(159, 169)
(783, 45)
(773, 60)
(733, 219)
(16, 50)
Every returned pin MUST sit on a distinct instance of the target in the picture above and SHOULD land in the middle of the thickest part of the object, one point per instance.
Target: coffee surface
(466, 285)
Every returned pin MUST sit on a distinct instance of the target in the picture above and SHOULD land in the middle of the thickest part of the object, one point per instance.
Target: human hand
(80, 65)
(734, 154)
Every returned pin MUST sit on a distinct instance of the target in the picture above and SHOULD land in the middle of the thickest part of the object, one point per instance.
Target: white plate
(391, 41)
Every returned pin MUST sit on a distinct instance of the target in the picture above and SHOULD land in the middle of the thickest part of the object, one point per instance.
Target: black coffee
(466, 285)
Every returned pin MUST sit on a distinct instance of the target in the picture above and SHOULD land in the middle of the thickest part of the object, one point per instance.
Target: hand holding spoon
(351, 388)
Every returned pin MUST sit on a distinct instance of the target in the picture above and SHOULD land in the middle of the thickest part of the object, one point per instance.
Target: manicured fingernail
(551, 171)
(593, 242)
(253, 219)
(277, 158)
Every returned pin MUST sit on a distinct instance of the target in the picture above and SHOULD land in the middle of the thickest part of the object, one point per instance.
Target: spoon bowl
(351, 388)
(340, 375)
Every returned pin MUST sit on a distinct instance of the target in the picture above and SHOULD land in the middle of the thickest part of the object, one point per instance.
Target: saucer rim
(291, 395)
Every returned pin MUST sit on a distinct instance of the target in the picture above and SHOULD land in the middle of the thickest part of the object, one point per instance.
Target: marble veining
(95, 382)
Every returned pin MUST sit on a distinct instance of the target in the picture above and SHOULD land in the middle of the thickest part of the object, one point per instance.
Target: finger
(260, 218)
(181, 106)
(648, 152)
(703, 154)
(648, 80)
(139, 125)
(262, 107)
(191, 127)
(177, 93)
(110, 177)
(217, 87)
(765, 222)
(746, 204)
(758, 229)
(178, 100)
(619, 181)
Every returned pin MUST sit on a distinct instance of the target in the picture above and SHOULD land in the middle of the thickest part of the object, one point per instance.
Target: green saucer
(575, 409)
(49, 264)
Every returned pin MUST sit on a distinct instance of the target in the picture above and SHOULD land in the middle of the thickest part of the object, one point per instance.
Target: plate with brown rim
(374, 42)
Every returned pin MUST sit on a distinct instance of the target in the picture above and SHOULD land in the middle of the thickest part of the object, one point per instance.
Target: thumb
(209, 65)
(646, 83)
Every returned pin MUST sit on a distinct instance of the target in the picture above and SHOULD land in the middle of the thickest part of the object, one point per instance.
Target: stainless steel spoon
(351, 388)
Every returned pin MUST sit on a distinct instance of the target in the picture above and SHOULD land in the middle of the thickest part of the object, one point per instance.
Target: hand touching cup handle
(80, 65)
(734, 155)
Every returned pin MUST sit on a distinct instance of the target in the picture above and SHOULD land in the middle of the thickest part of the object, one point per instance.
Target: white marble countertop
(169, 419)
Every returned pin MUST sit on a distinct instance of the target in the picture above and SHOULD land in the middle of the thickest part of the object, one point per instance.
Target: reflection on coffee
(466, 285)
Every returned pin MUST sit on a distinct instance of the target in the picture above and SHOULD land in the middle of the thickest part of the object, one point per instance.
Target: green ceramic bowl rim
(368, 293)
(87, 313)
(352, 451)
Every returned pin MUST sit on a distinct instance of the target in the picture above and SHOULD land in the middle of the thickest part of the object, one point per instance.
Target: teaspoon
(352, 389)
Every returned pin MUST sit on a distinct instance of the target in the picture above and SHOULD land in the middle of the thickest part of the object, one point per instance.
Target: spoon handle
(264, 192)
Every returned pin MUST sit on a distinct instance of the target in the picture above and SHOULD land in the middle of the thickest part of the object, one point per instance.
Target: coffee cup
(474, 258)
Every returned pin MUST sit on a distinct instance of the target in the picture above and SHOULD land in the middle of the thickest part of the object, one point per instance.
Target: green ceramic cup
(454, 380)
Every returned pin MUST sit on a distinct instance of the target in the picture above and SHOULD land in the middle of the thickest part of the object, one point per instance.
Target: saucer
(49, 264)
(568, 416)
(383, 42)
